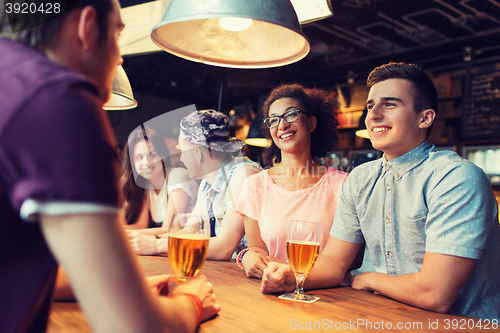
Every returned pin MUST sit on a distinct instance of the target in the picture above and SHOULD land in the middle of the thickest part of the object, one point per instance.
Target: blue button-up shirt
(426, 201)
(216, 199)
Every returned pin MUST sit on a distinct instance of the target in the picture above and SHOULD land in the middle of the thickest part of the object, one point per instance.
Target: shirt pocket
(412, 239)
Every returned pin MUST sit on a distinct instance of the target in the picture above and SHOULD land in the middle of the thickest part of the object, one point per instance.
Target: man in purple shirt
(58, 178)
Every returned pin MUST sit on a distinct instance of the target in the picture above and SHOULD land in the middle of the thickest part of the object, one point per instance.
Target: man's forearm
(435, 287)
(407, 289)
(411, 289)
(326, 273)
(103, 272)
(332, 264)
(219, 249)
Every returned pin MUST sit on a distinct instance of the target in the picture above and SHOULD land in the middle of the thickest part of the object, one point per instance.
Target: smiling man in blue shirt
(429, 218)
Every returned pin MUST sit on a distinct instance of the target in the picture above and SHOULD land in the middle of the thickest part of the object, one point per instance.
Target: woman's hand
(142, 244)
(199, 287)
(255, 264)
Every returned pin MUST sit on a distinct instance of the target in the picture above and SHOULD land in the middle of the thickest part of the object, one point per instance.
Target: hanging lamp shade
(139, 19)
(140, 16)
(256, 33)
(122, 97)
(361, 131)
(256, 136)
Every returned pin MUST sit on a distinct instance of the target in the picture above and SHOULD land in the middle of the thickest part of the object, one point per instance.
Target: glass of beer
(188, 244)
(302, 248)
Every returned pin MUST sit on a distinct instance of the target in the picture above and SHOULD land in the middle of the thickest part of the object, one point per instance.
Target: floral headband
(209, 129)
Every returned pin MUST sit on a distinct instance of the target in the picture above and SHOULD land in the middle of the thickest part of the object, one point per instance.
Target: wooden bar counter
(246, 309)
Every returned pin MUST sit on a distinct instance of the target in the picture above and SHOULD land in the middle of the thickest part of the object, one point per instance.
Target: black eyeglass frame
(283, 116)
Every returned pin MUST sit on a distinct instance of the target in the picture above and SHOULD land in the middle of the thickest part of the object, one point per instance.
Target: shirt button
(388, 188)
(387, 220)
(397, 175)
(389, 254)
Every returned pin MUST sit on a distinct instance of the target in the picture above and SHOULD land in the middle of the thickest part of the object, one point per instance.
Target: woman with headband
(211, 155)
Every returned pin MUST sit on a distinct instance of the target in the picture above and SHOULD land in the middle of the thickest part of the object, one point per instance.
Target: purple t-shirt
(55, 144)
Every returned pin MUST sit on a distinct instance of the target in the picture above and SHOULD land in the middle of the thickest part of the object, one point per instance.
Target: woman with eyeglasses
(301, 124)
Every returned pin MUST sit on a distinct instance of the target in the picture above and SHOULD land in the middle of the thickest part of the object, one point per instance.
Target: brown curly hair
(324, 137)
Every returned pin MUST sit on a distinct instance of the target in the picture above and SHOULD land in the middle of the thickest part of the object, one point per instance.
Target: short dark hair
(40, 36)
(315, 101)
(422, 88)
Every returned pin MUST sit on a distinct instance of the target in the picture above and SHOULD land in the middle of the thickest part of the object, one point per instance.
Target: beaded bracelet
(240, 257)
(197, 302)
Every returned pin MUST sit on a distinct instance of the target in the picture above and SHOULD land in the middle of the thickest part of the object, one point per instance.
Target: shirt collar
(222, 174)
(405, 163)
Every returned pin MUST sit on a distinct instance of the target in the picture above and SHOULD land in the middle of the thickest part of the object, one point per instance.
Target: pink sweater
(273, 207)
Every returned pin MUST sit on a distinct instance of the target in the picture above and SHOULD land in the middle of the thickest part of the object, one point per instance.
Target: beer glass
(302, 248)
(188, 244)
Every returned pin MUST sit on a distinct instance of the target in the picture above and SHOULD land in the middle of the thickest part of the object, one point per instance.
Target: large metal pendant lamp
(232, 33)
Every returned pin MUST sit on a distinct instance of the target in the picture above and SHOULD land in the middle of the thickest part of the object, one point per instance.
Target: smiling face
(147, 163)
(394, 126)
(295, 136)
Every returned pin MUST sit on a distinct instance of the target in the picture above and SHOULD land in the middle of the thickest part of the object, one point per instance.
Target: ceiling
(361, 35)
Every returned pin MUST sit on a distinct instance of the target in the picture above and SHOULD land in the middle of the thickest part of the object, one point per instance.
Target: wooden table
(246, 309)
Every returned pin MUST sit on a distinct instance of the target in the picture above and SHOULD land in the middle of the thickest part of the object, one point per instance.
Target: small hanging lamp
(122, 97)
(232, 33)
(361, 131)
(255, 136)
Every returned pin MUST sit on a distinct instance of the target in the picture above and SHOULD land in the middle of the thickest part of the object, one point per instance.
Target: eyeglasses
(289, 117)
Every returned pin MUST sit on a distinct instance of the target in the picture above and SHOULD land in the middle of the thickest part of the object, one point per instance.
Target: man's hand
(277, 278)
(199, 287)
(142, 244)
(359, 281)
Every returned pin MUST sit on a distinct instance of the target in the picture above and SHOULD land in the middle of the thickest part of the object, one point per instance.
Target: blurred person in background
(154, 191)
(208, 152)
